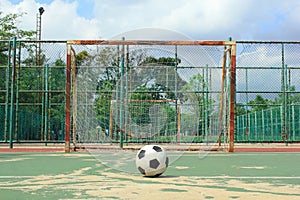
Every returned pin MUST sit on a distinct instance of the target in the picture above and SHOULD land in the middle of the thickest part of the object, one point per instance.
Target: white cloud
(59, 21)
(199, 19)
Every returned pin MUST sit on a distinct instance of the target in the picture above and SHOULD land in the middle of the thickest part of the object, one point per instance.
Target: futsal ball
(152, 160)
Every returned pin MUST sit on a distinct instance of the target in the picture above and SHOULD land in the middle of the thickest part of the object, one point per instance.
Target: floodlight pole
(39, 34)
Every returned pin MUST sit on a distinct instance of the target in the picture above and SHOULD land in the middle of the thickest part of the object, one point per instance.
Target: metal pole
(12, 94)
(247, 109)
(121, 93)
(39, 32)
(49, 106)
(126, 91)
(7, 92)
(255, 125)
(222, 96)
(202, 108)
(115, 107)
(263, 125)
(286, 105)
(272, 128)
(232, 98)
(206, 103)
(177, 102)
(74, 89)
(293, 122)
(283, 90)
(17, 93)
(46, 105)
(68, 99)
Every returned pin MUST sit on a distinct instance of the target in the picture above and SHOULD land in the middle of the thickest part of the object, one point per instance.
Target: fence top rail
(266, 42)
(156, 42)
(148, 42)
(37, 41)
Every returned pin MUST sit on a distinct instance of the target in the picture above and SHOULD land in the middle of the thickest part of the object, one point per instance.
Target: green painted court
(112, 175)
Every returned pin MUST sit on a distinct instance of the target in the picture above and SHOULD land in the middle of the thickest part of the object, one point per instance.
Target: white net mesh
(164, 94)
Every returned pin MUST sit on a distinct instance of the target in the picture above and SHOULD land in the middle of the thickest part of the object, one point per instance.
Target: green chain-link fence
(268, 92)
(267, 96)
(32, 91)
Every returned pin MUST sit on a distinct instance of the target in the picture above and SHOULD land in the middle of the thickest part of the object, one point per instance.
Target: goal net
(134, 92)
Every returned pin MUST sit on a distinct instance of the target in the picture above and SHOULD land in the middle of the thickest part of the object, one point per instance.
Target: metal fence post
(12, 94)
(121, 93)
(68, 100)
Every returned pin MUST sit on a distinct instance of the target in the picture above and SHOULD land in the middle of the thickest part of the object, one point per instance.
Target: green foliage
(240, 109)
(144, 98)
(290, 97)
(140, 106)
(82, 57)
(259, 103)
(106, 58)
(59, 62)
(168, 61)
(194, 90)
(103, 101)
(9, 29)
(198, 100)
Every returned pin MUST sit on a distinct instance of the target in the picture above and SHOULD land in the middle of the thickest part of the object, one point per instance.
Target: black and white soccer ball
(152, 160)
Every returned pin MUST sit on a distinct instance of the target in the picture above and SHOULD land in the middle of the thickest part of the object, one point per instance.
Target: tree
(259, 103)
(197, 100)
(9, 29)
(154, 87)
(167, 61)
(240, 109)
(109, 61)
(140, 106)
(291, 97)
(106, 58)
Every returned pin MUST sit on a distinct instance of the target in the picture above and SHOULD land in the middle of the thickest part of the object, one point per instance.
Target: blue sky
(196, 19)
(84, 6)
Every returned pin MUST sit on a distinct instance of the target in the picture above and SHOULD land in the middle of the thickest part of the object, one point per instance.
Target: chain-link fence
(268, 92)
(172, 92)
(32, 91)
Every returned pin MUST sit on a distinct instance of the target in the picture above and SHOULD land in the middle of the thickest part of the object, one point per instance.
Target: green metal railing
(32, 91)
(266, 125)
(268, 92)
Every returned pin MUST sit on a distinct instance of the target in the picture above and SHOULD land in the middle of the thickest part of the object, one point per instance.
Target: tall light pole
(39, 34)
(38, 62)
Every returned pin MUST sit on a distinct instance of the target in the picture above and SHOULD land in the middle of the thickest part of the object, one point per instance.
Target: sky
(193, 19)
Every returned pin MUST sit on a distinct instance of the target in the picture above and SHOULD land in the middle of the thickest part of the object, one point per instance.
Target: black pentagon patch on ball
(141, 170)
(154, 163)
(141, 154)
(157, 148)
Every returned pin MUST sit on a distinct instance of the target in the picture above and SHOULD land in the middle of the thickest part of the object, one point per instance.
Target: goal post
(232, 97)
(132, 74)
